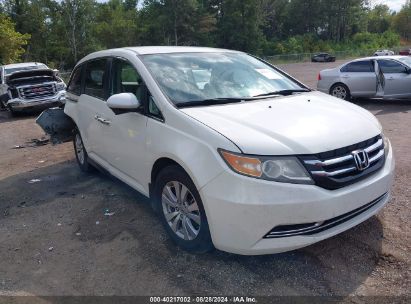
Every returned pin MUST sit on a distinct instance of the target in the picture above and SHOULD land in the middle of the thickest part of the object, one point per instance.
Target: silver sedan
(387, 77)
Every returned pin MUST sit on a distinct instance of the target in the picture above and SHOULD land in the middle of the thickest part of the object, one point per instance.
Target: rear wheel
(341, 91)
(181, 210)
(81, 153)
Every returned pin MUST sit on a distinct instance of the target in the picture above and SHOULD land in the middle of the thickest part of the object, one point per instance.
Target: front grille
(38, 91)
(313, 228)
(337, 168)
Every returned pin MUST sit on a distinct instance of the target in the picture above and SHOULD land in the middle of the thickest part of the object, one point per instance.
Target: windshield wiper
(209, 102)
(283, 92)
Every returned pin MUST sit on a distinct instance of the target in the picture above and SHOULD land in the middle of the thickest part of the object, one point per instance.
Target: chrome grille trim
(48, 89)
(334, 161)
(378, 144)
(342, 159)
(350, 169)
(329, 162)
(313, 228)
(334, 173)
(377, 156)
(337, 168)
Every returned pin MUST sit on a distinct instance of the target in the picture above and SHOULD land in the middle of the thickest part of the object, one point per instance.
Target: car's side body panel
(371, 84)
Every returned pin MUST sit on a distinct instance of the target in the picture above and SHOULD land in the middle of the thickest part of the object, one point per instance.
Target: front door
(397, 79)
(123, 134)
(360, 78)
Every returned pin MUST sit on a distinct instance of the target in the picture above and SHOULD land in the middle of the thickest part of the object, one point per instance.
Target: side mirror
(123, 101)
(408, 71)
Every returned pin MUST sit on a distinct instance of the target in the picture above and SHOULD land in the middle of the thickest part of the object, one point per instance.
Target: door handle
(345, 76)
(102, 120)
(390, 78)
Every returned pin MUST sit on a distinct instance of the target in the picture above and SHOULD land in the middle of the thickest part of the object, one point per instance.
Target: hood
(30, 74)
(307, 123)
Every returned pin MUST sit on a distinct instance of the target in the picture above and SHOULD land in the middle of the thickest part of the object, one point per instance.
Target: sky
(395, 5)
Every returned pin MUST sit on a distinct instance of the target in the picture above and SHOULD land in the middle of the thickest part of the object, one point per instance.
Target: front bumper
(242, 210)
(19, 104)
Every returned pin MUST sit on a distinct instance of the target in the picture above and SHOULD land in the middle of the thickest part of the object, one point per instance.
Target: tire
(81, 153)
(3, 103)
(341, 91)
(183, 218)
(14, 113)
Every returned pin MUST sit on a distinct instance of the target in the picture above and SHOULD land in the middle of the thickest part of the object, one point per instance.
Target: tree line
(60, 32)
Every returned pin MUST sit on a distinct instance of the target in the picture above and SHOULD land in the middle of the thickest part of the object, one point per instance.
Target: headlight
(61, 86)
(386, 145)
(284, 169)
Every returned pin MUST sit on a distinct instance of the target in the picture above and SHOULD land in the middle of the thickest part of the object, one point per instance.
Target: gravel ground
(55, 239)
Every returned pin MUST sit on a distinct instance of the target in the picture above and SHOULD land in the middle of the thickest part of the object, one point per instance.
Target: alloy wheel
(181, 210)
(339, 92)
(79, 149)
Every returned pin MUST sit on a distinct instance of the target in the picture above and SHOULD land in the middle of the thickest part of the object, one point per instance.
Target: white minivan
(233, 152)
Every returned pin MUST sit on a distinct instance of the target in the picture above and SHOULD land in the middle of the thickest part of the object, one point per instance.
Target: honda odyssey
(233, 152)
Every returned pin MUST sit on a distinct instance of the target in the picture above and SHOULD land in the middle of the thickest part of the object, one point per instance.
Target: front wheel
(181, 210)
(341, 91)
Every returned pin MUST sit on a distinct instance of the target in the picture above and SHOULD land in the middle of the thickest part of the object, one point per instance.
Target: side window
(359, 67)
(153, 110)
(391, 67)
(126, 79)
(95, 75)
(74, 85)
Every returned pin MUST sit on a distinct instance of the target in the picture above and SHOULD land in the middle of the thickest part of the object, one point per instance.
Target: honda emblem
(361, 159)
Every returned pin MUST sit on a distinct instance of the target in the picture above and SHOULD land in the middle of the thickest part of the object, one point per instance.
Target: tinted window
(126, 79)
(359, 67)
(95, 75)
(390, 66)
(74, 85)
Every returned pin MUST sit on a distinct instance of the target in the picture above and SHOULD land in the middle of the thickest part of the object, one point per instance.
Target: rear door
(397, 79)
(360, 78)
(92, 105)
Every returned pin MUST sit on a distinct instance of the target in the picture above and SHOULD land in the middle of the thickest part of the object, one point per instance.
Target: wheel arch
(338, 83)
(162, 163)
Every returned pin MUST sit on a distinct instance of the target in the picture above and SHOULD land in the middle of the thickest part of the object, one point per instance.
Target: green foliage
(63, 31)
(115, 24)
(402, 21)
(11, 42)
(379, 19)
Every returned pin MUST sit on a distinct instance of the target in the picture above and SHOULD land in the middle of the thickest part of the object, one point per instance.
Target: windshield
(194, 77)
(24, 68)
(406, 60)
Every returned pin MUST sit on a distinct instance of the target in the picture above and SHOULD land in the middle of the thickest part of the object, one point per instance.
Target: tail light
(319, 77)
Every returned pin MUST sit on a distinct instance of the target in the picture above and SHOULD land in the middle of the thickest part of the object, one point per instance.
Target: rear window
(95, 76)
(359, 67)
